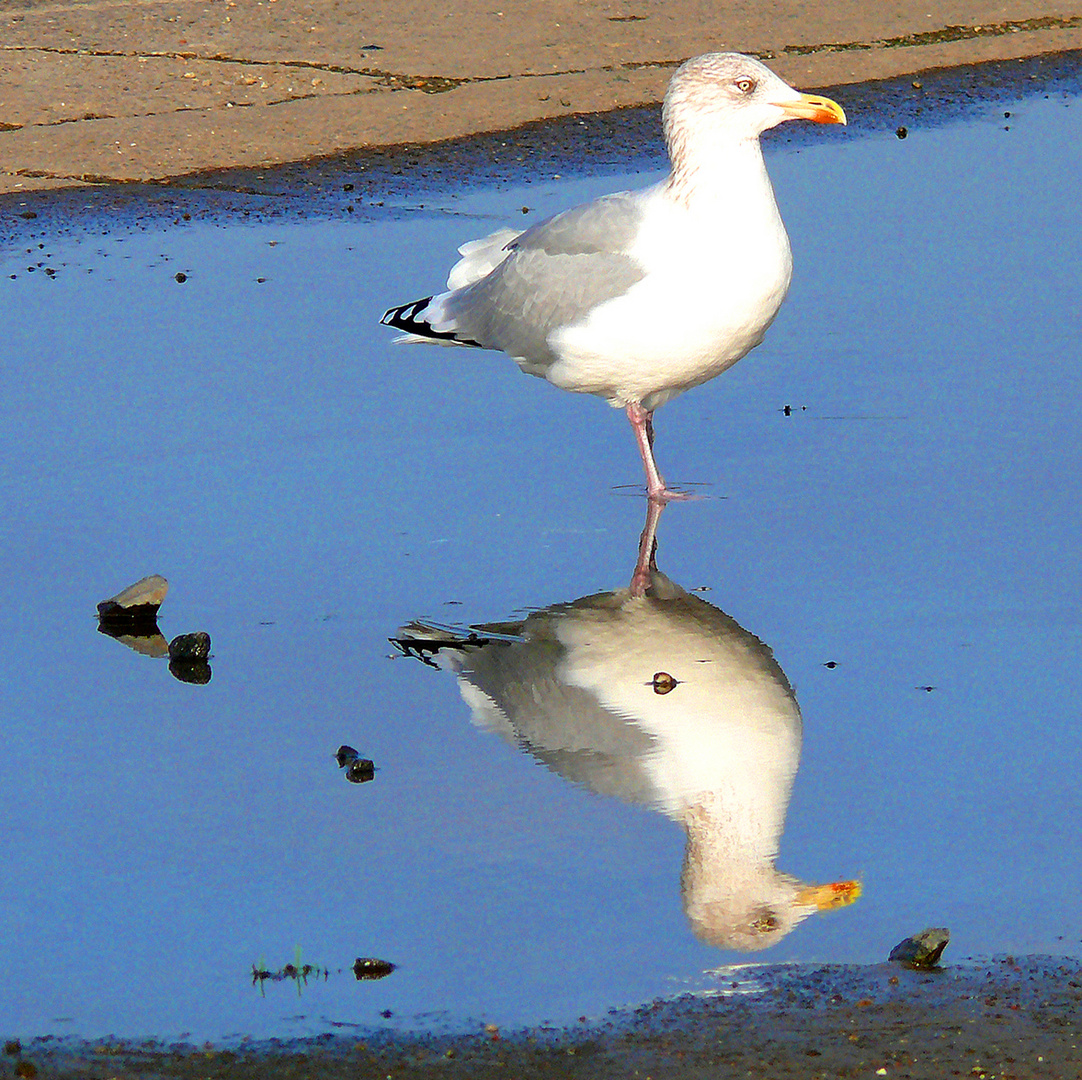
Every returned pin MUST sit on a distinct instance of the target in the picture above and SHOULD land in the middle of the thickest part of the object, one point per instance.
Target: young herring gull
(639, 296)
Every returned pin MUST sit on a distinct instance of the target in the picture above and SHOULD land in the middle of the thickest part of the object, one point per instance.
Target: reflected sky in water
(903, 542)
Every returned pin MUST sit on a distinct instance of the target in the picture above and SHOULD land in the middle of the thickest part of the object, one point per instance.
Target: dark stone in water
(136, 603)
(360, 771)
(345, 755)
(196, 672)
(922, 950)
(190, 647)
(367, 967)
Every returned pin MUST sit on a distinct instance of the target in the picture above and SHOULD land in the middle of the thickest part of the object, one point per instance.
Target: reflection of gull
(656, 696)
(639, 296)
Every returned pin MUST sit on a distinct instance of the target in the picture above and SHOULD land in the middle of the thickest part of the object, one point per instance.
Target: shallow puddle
(889, 505)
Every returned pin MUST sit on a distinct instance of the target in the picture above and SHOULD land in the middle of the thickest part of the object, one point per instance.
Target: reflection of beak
(824, 897)
(808, 107)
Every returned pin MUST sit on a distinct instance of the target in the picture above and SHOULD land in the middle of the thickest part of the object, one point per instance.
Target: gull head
(729, 96)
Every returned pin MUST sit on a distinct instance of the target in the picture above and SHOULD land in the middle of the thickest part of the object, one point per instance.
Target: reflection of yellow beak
(824, 897)
(808, 107)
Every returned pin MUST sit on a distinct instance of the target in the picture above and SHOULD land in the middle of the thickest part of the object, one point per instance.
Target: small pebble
(922, 950)
(368, 967)
(190, 646)
(138, 601)
(344, 755)
(360, 771)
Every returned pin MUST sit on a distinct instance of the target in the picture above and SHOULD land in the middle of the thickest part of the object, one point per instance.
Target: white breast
(714, 283)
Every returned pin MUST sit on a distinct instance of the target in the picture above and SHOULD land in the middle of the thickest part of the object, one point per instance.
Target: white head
(729, 97)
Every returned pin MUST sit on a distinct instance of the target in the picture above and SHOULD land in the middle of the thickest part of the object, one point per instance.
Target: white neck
(726, 173)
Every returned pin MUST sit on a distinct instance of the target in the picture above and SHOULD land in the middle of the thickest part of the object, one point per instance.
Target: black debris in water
(368, 967)
(359, 770)
(344, 755)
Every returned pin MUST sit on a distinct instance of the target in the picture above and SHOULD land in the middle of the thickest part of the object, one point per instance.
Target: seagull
(641, 295)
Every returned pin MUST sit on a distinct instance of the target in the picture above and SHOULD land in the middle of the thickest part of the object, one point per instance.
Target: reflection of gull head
(749, 905)
(657, 697)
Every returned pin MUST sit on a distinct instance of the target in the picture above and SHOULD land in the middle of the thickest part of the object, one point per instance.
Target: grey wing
(554, 274)
(608, 224)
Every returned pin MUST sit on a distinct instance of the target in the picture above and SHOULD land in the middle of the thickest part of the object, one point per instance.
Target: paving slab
(146, 90)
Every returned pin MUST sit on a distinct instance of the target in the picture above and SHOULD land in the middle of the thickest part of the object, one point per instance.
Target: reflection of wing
(578, 687)
(659, 698)
(512, 688)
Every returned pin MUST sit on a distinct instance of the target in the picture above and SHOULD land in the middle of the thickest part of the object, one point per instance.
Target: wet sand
(1013, 1019)
(100, 91)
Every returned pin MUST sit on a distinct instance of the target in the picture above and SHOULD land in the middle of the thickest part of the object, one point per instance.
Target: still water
(553, 828)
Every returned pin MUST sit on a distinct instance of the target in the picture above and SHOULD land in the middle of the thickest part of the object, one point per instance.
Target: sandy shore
(121, 90)
(1013, 1019)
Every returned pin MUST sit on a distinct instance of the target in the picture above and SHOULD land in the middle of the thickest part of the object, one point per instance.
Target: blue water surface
(904, 537)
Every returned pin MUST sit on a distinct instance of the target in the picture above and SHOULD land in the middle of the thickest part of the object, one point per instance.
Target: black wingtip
(409, 318)
(405, 317)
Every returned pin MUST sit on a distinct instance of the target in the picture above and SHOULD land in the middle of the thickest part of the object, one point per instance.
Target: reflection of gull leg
(647, 562)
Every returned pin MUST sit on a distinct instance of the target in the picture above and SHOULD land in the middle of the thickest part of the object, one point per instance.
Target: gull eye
(745, 86)
(765, 922)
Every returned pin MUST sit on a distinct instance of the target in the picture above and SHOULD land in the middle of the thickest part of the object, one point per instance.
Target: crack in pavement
(946, 34)
(185, 109)
(438, 84)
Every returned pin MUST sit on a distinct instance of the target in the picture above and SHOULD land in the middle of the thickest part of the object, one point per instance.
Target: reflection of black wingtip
(425, 648)
(418, 650)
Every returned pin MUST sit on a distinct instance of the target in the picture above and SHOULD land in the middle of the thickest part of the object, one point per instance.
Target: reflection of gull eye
(664, 683)
(765, 922)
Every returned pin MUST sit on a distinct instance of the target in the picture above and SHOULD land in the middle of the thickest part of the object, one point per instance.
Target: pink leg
(643, 423)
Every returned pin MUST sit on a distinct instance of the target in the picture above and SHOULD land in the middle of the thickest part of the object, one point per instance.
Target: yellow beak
(809, 107)
(824, 897)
